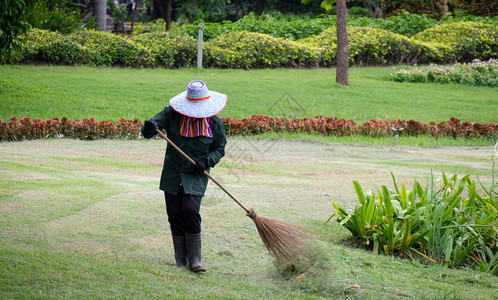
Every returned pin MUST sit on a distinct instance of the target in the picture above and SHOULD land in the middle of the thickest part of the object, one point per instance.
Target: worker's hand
(150, 126)
(201, 165)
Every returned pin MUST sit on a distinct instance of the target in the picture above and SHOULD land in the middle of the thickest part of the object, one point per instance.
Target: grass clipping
(289, 244)
(298, 257)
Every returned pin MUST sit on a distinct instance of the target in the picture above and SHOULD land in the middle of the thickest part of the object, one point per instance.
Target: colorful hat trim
(193, 99)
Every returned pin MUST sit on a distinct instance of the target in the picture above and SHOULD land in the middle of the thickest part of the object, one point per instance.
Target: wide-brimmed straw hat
(198, 102)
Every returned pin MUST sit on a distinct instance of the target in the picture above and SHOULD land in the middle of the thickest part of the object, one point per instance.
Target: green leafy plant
(169, 50)
(54, 16)
(299, 27)
(408, 24)
(107, 49)
(379, 220)
(449, 222)
(374, 46)
(13, 27)
(248, 50)
(275, 25)
(467, 40)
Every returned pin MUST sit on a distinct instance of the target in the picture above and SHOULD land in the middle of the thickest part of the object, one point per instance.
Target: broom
(283, 240)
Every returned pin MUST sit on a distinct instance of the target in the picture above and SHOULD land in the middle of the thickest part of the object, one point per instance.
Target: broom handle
(205, 172)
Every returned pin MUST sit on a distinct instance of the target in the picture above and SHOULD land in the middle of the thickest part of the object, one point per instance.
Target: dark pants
(183, 213)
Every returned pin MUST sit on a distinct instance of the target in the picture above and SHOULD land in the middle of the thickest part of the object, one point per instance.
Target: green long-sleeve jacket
(177, 169)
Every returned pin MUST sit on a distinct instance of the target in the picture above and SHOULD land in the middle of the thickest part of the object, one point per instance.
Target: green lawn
(85, 220)
(111, 93)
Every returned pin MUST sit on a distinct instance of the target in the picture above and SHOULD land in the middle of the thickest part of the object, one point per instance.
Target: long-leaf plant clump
(451, 221)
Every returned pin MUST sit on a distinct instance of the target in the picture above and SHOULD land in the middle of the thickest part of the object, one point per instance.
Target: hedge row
(466, 41)
(90, 129)
(449, 43)
(373, 128)
(86, 129)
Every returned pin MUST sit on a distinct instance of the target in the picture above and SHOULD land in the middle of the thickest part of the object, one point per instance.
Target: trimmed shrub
(372, 46)
(369, 46)
(88, 129)
(466, 40)
(53, 48)
(108, 49)
(171, 51)
(63, 51)
(461, 42)
(429, 52)
(452, 128)
(248, 50)
(263, 124)
(327, 43)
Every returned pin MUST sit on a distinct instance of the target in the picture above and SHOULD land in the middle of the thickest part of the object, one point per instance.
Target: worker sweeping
(191, 124)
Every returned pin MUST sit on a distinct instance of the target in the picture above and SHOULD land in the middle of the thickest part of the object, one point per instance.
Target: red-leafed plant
(90, 129)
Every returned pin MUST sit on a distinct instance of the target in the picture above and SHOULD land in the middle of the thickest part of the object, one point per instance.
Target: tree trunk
(169, 8)
(158, 10)
(133, 16)
(342, 44)
(258, 6)
(100, 12)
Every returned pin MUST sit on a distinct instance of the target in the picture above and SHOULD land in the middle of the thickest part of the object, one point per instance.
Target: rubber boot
(180, 245)
(194, 253)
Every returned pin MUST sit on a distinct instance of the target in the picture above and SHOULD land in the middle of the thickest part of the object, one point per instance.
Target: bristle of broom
(283, 240)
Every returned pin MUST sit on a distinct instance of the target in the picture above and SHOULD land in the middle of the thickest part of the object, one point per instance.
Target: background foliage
(298, 27)
(435, 8)
(481, 7)
(454, 42)
(55, 16)
(293, 20)
(13, 26)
